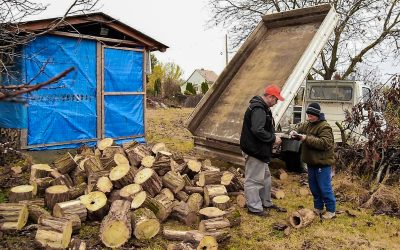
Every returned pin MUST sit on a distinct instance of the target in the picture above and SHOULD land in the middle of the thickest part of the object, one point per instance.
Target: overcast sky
(179, 24)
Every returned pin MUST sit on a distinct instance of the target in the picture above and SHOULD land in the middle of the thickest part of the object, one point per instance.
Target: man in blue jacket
(256, 141)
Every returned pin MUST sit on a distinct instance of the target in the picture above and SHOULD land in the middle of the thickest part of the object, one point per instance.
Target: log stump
(21, 193)
(56, 194)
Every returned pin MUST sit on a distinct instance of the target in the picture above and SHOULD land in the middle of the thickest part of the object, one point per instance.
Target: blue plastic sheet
(65, 111)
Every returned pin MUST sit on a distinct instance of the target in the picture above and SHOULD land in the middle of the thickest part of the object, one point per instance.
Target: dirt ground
(354, 227)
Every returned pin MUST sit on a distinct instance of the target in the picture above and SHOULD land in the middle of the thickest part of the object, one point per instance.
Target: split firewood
(41, 184)
(209, 177)
(149, 180)
(211, 212)
(158, 147)
(63, 179)
(182, 213)
(92, 164)
(77, 191)
(280, 174)
(210, 191)
(13, 216)
(195, 202)
(277, 193)
(122, 175)
(53, 232)
(173, 181)
(65, 208)
(65, 164)
(56, 194)
(40, 171)
(302, 218)
(103, 144)
(127, 192)
(120, 159)
(193, 168)
(116, 227)
(148, 161)
(161, 205)
(77, 244)
(94, 177)
(135, 153)
(20, 193)
(182, 196)
(167, 192)
(163, 163)
(138, 199)
(96, 204)
(214, 224)
(222, 202)
(232, 181)
(145, 225)
(191, 190)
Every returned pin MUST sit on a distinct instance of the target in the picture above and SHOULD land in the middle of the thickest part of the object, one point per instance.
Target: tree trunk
(210, 191)
(63, 209)
(54, 232)
(56, 194)
(149, 180)
(144, 223)
(302, 218)
(96, 204)
(222, 202)
(65, 164)
(182, 213)
(122, 175)
(193, 168)
(116, 227)
(13, 216)
(173, 181)
(20, 193)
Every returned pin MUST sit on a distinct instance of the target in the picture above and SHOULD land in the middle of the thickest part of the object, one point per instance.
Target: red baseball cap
(274, 90)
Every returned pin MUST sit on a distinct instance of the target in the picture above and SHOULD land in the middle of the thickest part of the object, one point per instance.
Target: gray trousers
(257, 184)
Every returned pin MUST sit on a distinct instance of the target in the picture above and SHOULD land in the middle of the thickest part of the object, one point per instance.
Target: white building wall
(196, 79)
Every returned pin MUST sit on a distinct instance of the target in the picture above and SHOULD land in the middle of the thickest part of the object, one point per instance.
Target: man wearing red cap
(256, 141)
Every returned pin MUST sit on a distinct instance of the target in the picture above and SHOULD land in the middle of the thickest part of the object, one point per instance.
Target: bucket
(290, 145)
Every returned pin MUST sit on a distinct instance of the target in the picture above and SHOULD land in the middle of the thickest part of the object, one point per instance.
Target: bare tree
(13, 14)
(368, 30)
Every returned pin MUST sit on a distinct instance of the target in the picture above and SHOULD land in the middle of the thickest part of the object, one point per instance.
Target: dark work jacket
(258, 131)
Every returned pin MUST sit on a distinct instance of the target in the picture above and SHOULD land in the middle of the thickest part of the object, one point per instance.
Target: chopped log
(54, 232)
(232, 181)
(135, 153)
(148, 161)
(104, 184)
(111, 151)
(37, 201)
(161, 205)
(138, 199)
(64, 179)
(162, 163)
(122, 175)
(182, 196)
(302, 218)
(13, 216)
(277, 193)
(182, 213)
(114, 195)
(96, 204)
(65, 164)
(214, 224)
(20, 193)
(209, 177)
(180, 246)
(192, 190)
(35, 209)
(76, 222)
(77, 191)
(241, 200)
(234, 216)
(201, 241)
(158, 147)
(127, 192)
(55, 174)
(93, 179)
(104, 143)
(97, 152)
(192, 236)
(40, 171)
(149, 180)
(144, 223)
(167, 192)
(211, 212)
(108, 163)
(210, 191)
(177, 167)
(193, 168)
(195, 202)
(65, 208)
(77, 244)
(280, 174)
(120, 158)
(174, 235)
(188, 181)
(78, 176)
(222, 202)
(173, 181)
(41, 184)
(116, 227)
(85, 151)
(92, 164)
(56, 194)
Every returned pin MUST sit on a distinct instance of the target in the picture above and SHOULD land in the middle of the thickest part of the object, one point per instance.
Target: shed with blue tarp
(103, 97)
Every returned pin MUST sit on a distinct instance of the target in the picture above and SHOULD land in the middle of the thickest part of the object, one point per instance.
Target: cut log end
(117, 234)
(106, 142)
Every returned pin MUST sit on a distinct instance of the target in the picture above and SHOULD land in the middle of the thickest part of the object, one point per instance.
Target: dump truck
(281, 50)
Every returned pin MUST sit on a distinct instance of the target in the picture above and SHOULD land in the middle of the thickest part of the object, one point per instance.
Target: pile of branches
(371, 136)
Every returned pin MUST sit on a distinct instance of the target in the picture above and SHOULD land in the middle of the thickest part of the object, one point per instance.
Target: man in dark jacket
(317, 152)
(256, 141)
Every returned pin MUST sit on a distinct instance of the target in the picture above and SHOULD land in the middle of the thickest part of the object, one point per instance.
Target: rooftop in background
(208, 75)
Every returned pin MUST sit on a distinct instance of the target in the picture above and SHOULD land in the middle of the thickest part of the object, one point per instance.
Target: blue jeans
(320, 181)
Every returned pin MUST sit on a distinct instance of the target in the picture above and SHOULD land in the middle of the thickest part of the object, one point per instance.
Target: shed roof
(127, 31)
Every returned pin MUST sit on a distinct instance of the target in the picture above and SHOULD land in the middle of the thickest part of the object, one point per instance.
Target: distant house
(198, 77)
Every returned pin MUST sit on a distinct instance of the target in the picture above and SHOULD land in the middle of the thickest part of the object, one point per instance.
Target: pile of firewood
(131, 189)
